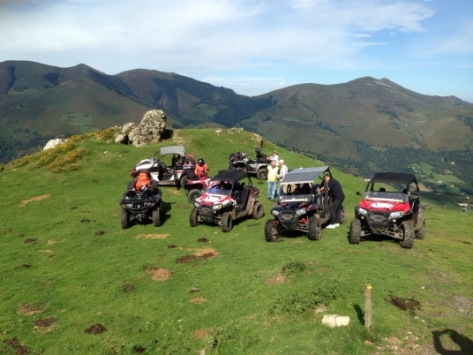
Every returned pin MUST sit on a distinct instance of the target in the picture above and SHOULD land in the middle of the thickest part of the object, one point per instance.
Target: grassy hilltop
(72, 281)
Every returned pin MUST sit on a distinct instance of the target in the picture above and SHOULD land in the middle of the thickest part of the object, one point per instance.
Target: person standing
(275, 157)
(272, 179)
(335, 189)
(283, 170)
(201, 169)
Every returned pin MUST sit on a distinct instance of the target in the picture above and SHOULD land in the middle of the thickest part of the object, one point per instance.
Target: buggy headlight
(196, 204)
(274, 212)
(362, 211)
(217, 207)
(396, 214)
(300, 211)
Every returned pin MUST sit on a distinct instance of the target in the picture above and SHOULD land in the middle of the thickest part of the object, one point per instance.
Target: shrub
(297, 303)
(67, 162)
(293, 267)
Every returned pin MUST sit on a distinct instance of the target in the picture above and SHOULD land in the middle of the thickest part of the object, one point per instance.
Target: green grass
(65, 255)
(83, 120)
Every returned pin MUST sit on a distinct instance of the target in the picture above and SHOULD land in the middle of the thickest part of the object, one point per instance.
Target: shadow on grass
(359, 313)
(379, 238)
(464, 343)
(165, 208)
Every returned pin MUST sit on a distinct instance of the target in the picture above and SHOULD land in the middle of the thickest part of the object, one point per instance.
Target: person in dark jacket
(335, 189)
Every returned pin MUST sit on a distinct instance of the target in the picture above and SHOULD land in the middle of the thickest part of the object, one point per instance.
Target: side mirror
(358, 193)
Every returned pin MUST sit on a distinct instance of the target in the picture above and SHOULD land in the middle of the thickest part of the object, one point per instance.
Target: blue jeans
(271, 189)
(279, 190)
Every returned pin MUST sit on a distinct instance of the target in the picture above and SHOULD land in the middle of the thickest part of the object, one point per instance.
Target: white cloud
(250, 39)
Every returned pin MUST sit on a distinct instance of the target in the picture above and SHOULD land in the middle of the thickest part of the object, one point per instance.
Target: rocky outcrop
(52, 143)
(147, 132)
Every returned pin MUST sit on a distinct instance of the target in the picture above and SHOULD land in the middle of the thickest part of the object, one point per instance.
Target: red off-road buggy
(229, 197)
(391, 207)
(195, 186)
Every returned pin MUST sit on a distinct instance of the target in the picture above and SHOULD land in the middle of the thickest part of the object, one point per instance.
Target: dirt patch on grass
(50, 242)
(202, 240)
(128, 288)
(30, 309)
(206, 253)
(36, 198)
(405, 304)
(20, 349)
(44, 323)
(138, 349)
(24, 266)
(198, 300)
(276, 280)
(200, 254)
(95, 329)
(152, 236)
(187, 259)
(200, 334)
(30, 240)
(158, 274)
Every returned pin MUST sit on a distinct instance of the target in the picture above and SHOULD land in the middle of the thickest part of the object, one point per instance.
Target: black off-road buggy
(258, 167)
(391, 207)
(141, 205)
(301, 206)
(229, 197)
(169, 166)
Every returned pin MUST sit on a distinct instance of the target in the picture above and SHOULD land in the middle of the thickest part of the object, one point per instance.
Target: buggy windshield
(220, 188)
(296, 193)
(392, 192)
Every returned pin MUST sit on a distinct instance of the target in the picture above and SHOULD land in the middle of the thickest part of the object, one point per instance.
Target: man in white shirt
(283, 170)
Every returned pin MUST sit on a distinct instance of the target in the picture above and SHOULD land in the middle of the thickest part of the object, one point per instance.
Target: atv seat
(241, 197)
(319, 200)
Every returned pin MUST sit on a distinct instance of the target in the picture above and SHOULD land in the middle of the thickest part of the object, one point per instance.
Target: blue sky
(253, 46)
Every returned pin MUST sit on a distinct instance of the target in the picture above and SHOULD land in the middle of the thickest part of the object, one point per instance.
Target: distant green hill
(362, 126)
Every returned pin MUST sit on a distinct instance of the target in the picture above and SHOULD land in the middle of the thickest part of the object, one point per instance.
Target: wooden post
(368, 304)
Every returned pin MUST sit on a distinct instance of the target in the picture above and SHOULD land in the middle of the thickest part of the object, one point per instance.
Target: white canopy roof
(177, 149)
(300, 176)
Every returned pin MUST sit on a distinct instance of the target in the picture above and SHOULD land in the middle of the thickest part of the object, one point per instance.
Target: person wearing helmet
(201, 169)
(142, 182)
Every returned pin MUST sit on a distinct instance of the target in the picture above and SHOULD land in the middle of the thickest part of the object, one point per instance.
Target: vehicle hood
(384, 205)
(214, 199)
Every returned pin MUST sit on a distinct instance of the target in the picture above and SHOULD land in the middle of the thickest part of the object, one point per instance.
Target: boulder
(147, 132)
(333, 320)
(52, 143)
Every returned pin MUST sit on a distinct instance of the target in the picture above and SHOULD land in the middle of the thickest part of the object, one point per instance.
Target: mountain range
(362, 126)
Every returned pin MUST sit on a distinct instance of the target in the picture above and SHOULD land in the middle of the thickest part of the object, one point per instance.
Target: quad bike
(390, 206)
(258, 167)
(144, 204)
(226, 200)
(301, 206)
(175, 174)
